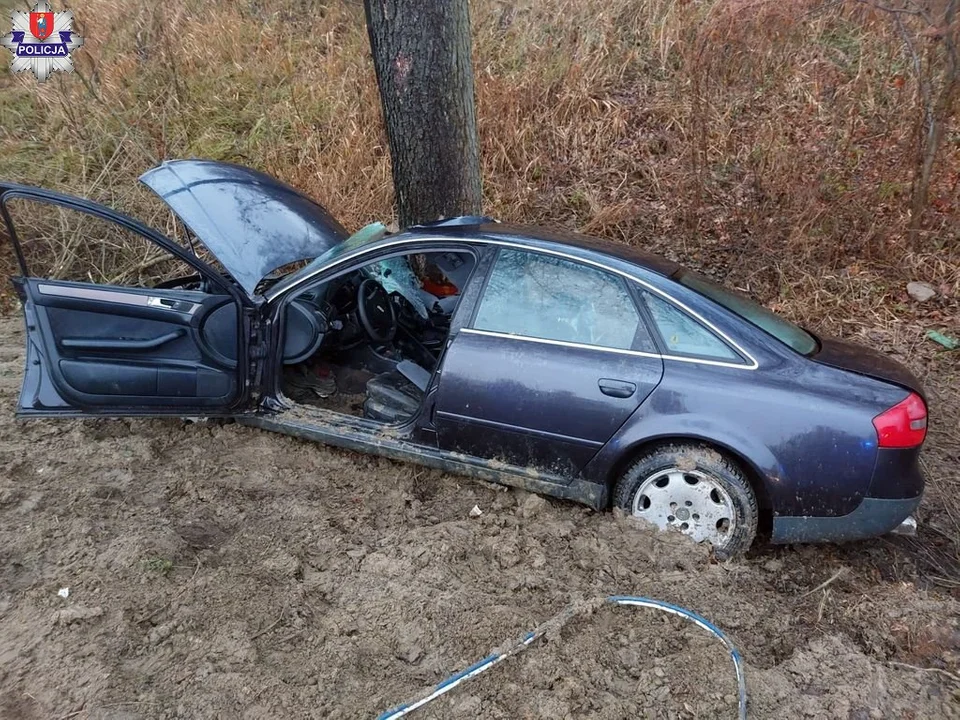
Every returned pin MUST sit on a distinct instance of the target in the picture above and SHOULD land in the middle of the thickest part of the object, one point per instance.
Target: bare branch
(910, 7)
(908, 44)
(820, 9)
(890, 9)
(912, 50)
(921, 11)
(938, 91)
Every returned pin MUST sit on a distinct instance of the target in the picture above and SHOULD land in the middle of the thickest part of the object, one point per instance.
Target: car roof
(534, 236)
(472, 229)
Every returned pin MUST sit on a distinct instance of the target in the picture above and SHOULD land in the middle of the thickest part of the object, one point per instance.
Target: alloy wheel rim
(690, 501)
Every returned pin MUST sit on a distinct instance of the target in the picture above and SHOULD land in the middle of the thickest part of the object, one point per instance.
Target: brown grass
(767, 142)
(713, 130)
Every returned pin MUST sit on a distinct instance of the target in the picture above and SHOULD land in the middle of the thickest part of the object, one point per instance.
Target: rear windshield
(783, 330)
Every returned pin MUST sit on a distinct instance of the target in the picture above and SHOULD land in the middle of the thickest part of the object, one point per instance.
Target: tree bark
(421, 53)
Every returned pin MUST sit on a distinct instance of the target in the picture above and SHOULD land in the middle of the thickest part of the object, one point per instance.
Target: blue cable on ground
(557, 621)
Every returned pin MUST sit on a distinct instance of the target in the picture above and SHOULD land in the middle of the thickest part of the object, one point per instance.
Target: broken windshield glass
(366, 235)
(395, 276)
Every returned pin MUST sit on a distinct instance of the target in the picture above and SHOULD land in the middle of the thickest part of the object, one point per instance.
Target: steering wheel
(377, 314)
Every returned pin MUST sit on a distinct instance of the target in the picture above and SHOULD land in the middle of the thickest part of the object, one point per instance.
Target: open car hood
(250, 221)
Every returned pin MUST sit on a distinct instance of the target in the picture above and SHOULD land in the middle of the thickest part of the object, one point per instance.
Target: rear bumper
(897, 474)
(872, 517)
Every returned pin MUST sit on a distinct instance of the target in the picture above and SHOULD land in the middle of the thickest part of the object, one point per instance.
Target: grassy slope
(765, 142)
(714, 132)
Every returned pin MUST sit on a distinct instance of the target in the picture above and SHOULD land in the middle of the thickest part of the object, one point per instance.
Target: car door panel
(106, 347)
(514, 445)
(118, 350)
(536, 403)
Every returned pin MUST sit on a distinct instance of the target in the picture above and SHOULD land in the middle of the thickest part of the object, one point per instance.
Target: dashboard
(326, 317)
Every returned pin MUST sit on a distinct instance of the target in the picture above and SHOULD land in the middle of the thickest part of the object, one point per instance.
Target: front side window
(63, 243)
(541, 296)
(682, 335)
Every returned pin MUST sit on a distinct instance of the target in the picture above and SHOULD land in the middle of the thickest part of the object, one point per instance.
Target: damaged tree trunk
(421, 52)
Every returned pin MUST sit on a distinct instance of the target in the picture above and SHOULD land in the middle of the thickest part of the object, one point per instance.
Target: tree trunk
(421, 52)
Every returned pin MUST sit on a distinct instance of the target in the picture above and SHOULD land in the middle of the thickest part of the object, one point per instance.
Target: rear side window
(541, 296)
(782, 329)
(682, 335)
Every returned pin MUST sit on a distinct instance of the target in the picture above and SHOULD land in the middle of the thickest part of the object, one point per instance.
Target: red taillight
(904, 425)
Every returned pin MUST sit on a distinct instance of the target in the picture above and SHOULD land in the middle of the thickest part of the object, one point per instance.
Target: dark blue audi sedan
(574, 367)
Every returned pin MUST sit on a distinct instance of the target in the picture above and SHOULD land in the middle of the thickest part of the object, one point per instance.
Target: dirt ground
(216, 570)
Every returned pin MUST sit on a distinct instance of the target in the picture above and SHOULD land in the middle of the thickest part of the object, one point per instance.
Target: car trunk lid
(866, 361)
(250, 221)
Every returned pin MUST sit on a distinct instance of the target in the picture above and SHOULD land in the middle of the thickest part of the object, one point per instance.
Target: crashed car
(570, 366)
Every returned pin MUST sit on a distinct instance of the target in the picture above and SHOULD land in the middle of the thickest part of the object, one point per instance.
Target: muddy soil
(216, 570)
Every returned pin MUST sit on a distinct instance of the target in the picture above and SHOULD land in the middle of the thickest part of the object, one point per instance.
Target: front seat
(396, 395)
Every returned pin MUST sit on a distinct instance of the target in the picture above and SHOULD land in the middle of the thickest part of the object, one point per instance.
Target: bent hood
(250, 221)
(866, 361)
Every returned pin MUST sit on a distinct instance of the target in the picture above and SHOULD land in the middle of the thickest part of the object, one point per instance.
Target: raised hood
(865, 361)
(251, 222)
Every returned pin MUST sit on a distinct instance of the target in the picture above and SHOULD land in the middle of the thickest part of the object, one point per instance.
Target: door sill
(392, 441)
(316, 416)
(107, 413)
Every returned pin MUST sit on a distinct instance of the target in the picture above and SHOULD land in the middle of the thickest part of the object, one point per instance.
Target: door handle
(616, 388)
(184, 306)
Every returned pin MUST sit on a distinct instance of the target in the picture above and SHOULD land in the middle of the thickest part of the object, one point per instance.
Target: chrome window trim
(752, 363)
(601, 348)
(561, 343)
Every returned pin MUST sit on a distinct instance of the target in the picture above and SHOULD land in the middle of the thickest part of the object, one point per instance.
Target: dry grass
(712, 130)
(766, 142)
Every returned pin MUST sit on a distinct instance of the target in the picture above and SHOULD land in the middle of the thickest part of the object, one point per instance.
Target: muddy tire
(694, 489)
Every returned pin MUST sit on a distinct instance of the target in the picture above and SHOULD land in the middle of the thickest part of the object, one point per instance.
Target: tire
(693, 488)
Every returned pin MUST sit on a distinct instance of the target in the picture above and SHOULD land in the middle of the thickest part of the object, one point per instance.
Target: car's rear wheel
(694, 489)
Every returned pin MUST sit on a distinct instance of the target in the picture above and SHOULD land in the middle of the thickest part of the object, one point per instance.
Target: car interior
(367, 343)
